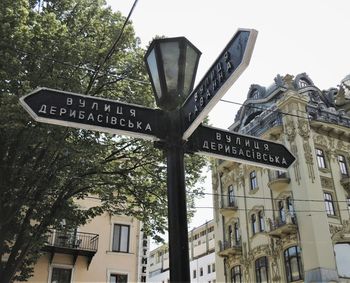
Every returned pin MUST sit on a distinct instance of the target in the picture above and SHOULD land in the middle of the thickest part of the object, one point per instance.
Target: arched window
(236, 274)
(292, 261)
(261, 270)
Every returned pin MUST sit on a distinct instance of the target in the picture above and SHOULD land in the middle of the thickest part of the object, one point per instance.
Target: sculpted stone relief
(327, 183)
(340, 233)
(303, 128)
(290, 131)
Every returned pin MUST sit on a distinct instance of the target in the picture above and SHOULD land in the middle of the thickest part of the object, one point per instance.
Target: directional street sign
(230, 64)
(93, 113)
(241, 148)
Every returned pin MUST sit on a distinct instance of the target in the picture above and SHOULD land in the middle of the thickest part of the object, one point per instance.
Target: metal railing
(224, 245)
(229, 202)
(279, 222)
(73, 240)
(276, 175)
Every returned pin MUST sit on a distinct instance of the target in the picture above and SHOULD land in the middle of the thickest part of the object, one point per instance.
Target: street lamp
(172, 65)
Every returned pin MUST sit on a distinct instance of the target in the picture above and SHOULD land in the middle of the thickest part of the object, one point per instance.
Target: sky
(311, 36)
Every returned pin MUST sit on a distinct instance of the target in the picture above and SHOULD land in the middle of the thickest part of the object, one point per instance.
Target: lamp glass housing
(172, 65)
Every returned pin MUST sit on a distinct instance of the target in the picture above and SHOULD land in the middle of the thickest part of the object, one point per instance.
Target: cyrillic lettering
(43, 109)
(81, 102)
(63, 111)
(81, 115)
(113, 120)
(94, 105)
(148, 127)
(69, 101)
(53, 110)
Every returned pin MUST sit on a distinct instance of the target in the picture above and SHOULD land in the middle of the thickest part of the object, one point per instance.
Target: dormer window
(303, 83)
(255, 94)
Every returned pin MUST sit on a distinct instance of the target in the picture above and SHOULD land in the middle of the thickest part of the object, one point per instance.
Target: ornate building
(274, 226)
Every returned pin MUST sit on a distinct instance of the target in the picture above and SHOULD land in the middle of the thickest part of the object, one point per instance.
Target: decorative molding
(327, 183)
(303, 127)
(321, 140)
(289, 130)
(309, 160)
(296, 167)
(340, 233)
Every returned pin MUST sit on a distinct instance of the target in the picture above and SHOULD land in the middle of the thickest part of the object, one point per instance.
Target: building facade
(294, 226)
(109, 249)
(201, 253)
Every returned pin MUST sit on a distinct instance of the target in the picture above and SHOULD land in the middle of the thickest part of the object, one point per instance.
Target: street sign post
(172, 129)
(241, 148)
(227, 68)
(92, 113)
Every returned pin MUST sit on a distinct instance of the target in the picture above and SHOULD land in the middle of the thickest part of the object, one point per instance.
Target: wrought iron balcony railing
(73, 240)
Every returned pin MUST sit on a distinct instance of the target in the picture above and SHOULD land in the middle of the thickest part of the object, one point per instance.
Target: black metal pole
(177, 208)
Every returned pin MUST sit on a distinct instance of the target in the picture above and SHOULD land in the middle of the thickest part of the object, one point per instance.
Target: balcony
(228, 207)
(283, 227)
(278, 180)
(72, 243)
(345, 182)
(230, 248)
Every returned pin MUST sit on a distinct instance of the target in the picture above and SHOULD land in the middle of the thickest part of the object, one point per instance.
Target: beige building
(108, 249)
(201, 253)
(274, 226)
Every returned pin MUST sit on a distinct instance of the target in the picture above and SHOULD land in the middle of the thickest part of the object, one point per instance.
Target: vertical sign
(227, 68)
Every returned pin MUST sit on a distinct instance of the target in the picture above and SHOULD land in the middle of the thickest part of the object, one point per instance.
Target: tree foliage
(61, 44)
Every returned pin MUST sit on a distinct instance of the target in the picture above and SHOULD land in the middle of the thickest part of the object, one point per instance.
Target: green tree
(63, 44)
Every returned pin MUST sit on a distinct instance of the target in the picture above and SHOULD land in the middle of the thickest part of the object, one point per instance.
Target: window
(321, 160)
(342, 165)
(209, 268)
(201, 271)
(121, 238)
(261, 221)
(194, 273)
(254, 224)
(261, 269)
(281, 211)
(236, 231)
(291, 208)
(230, 235)
(61, 275)
(231, 196)
(253, 181)
(303, 83)
(342, 259)
(328, 200)
(213, 267)
(348, 202)
(118, 278)
(236, 274)
(292, 261)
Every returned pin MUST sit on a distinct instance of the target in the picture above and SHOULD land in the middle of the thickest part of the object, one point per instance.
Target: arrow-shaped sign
(227, 68)
(241, 148)
(92, 113)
